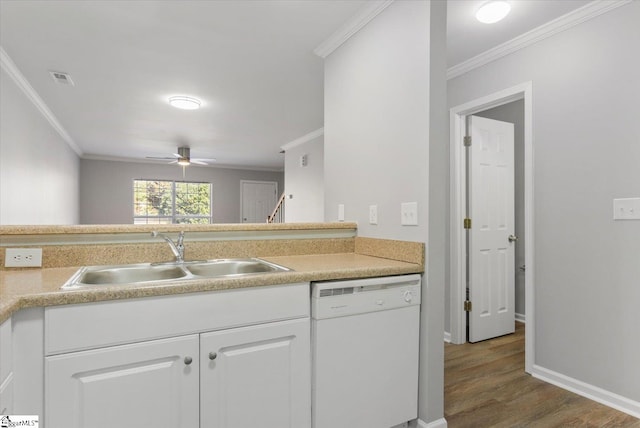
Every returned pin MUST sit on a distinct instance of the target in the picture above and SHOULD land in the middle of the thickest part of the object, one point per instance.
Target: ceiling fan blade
(199, 162)
(205, 160)
(159, 158)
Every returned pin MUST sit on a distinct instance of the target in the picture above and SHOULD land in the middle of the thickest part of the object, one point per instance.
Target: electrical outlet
(340, 212)
(23, 257)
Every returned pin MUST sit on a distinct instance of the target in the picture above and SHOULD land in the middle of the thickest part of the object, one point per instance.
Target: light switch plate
(409, 214)
(340, 212)
(373, 214)
(626, 209)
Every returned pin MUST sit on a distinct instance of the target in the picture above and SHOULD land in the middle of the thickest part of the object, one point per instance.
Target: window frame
(171, 219)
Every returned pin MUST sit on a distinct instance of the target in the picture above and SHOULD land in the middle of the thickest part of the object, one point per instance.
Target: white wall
(586, 144)
(377, 144)
(38, 170)
(106, 188)
(304, 184)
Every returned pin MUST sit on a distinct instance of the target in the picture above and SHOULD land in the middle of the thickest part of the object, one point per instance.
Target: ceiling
(250, 62)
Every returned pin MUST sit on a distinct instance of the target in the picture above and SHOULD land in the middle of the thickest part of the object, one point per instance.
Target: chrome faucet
(177, 248)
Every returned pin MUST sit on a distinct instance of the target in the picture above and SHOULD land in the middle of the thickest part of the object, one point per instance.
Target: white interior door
(258, 198)
(491, 209)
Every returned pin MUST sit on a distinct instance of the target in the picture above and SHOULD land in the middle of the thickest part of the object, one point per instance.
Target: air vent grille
(62, 78)
(336, 291)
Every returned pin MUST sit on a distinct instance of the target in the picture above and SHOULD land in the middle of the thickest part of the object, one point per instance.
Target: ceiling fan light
(185, 103)
(493, 11)
(184, 162)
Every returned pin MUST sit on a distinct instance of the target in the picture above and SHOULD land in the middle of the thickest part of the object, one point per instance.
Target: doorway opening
(458, 193)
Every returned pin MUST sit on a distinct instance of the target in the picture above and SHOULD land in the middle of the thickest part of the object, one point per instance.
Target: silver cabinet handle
(188, 360)
(213, 355)
(513, 238)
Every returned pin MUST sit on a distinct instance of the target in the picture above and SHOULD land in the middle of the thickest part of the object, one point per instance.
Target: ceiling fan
(183, 157)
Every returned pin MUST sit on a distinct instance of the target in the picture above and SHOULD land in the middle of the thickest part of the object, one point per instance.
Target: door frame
(457, 252)
(242, 182)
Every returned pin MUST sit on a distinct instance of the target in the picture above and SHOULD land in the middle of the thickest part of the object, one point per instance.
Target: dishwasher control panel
(342, 298)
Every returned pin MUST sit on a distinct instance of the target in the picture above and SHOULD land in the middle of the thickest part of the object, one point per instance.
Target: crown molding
(362, 18)
(12, 70)
(304, 139)
(163, 163)
(571, 19)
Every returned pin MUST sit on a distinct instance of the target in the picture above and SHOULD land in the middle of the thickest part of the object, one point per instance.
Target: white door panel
(259, 198)
(491, 209)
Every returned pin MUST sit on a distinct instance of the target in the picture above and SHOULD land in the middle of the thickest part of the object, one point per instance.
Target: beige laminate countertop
(41, 287)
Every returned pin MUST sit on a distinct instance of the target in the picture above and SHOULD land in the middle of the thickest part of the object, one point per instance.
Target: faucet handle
(180, 237)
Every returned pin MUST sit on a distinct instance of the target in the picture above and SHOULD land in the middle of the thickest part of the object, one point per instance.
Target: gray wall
(106, 188)
(38, 169)
(586, 144)
(514, 113)
(377, 147)
(305, 184)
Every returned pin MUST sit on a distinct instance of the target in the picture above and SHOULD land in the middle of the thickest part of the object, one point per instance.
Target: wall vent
(62, 78)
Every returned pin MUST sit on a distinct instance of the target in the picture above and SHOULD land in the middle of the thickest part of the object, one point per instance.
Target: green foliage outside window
(158, 202)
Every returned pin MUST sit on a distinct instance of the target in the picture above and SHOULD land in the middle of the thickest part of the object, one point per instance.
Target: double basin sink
(91, 276)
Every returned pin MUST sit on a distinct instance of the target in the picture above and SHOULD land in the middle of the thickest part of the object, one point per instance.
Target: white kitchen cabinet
(6, 368)
(123, 362)
(256, 376)
(148, 384)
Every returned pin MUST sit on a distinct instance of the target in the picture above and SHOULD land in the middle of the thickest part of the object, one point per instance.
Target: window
(162, 202)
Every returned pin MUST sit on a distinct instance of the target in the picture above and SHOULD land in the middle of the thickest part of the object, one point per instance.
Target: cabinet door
(257, 376)
(6, 368)
(145, 384)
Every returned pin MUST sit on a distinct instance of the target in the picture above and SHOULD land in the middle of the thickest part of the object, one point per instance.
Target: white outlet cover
(340, 212)
(23, 257)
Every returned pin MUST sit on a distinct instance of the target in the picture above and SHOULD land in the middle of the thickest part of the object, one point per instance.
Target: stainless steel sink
(226, 267)
(91, 276)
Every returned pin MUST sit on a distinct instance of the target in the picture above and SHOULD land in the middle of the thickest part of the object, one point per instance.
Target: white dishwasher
(365, 336)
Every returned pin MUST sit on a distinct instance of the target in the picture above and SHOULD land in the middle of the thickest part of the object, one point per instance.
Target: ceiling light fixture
(185, 103)
(493, 12)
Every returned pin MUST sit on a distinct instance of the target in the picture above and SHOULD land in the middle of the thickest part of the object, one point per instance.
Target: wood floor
(485, 386)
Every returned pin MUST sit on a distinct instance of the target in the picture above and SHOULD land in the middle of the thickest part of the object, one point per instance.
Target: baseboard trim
(439, 423)
(521, 318)
(447, 337)
(591, 392)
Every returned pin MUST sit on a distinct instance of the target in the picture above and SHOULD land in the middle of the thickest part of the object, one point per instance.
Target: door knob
(513, 238)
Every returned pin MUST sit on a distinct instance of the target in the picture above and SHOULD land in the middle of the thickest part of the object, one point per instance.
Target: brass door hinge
(467, 141)
(467, 223)
(467, 306)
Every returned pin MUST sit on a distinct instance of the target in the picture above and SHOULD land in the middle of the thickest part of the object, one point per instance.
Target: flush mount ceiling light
(185, 103)
(493, 11)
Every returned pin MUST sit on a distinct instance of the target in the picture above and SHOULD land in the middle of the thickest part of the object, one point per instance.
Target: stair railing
(277, 216)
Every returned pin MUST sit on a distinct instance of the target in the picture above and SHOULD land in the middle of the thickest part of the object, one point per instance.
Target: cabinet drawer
(93, 325)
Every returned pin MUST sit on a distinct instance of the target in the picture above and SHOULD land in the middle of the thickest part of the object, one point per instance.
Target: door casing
(457, 254)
